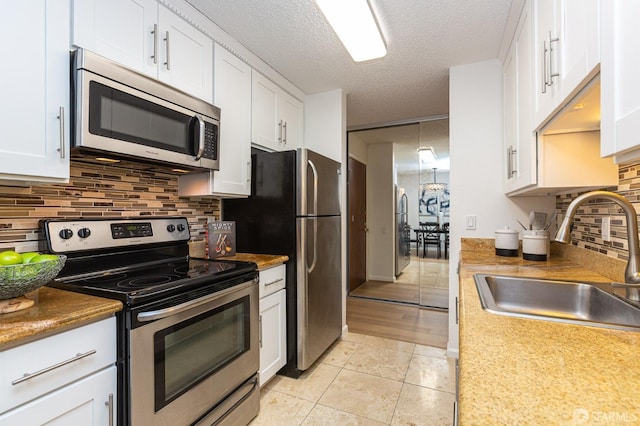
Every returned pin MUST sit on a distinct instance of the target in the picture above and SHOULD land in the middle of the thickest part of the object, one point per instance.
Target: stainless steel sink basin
(563, 301)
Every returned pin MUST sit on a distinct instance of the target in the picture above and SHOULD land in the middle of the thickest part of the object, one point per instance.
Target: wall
(380, 196)
(95, 190)
(476, 174)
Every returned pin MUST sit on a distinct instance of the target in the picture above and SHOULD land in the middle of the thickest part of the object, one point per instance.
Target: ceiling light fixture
(435, 186)
(427, 155)
(356, 26)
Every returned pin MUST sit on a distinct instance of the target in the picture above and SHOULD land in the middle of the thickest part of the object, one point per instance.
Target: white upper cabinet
(520, 140)
(232, 93)
(276, 117)
(34, 84)
(566, 51)
(147, 37)
(620, 68)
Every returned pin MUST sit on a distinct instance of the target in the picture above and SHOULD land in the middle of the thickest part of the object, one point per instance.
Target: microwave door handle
(200, 138)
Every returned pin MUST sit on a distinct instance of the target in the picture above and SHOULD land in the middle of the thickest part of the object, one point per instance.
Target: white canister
(507, 242)
(535, 245)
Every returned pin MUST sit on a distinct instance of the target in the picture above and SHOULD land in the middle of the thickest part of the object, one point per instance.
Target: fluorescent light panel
(427, 155)
(355, 25)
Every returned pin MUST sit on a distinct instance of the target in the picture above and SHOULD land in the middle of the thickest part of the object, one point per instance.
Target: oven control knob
(171, 228)
(65, 233)
(84, 232)
(180, 227)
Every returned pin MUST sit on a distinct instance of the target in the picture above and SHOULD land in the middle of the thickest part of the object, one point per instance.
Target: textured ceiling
(424, 38)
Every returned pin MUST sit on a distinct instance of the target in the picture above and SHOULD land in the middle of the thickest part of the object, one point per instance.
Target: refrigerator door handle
(315, 187)
(315, 247)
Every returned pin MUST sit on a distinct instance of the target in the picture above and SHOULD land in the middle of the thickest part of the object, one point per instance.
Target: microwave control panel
(210, 141)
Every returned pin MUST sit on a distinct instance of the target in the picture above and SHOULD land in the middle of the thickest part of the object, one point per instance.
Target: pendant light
(435, 186)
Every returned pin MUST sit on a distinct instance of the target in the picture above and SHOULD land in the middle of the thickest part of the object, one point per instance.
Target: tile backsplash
(99, 190)
(588, 220)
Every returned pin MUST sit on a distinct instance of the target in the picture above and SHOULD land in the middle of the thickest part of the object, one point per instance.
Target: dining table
(443, 234)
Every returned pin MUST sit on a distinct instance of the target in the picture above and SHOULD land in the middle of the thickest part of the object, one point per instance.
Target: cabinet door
(186, 56)
(90, 401)
(519, 137)
(232, 93)
(121, 30)
(273, 345)
(34, 84)
(620, 87)
(579, 43)
(265, 128)
(291, 113)
(546, 45)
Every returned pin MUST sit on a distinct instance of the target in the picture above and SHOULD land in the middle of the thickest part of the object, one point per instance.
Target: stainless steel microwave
(121, 112)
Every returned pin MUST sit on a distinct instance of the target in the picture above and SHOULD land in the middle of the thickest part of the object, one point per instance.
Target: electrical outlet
(606, 228)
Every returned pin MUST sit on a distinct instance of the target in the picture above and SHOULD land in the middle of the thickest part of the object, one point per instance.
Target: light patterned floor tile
(310, 385)
(430, 351)
(419, 406)
(353, 337)
(381, 342)
(339, 353)
(378, 361)
(434, 373)
(280, 409)
(323, 416)
(364, 395)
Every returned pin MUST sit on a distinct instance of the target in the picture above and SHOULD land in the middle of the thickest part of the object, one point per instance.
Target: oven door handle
(174, 310)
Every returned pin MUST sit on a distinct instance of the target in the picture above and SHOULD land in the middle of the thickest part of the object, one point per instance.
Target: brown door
(357, 182)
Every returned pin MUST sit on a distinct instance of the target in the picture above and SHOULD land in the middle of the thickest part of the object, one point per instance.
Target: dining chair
(445, 229)
(430, 237)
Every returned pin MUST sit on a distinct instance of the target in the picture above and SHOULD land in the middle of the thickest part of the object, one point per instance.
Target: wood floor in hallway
(397, 321)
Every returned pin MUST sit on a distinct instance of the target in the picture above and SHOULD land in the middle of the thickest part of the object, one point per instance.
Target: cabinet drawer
(55, 361)
(272, 280)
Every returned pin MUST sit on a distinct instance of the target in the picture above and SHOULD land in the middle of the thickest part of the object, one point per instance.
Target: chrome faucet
(632, 272)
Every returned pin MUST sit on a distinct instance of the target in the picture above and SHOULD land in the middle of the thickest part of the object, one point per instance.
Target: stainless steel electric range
(188, 334)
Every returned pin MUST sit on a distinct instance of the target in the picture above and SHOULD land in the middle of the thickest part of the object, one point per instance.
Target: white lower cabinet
(90, 401)
(65, 379)
(273, 322)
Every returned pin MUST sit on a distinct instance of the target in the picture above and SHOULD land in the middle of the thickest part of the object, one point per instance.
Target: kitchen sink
(592, 304)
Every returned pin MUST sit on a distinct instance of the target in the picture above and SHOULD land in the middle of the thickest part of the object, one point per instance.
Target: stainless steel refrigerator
(403, 232)
(294, 209)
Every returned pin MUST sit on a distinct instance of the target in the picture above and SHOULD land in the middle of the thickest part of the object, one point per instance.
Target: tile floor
(365, 380)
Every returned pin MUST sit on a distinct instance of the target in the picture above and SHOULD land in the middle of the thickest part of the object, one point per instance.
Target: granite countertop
(532, 372)
(263, 261)
(54, 311)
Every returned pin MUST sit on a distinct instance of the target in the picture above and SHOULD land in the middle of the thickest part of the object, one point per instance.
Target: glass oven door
(185, 359)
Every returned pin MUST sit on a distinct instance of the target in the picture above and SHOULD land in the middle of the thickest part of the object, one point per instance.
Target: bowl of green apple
(21, 273)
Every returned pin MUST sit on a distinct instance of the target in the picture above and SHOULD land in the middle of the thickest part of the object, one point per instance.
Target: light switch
(471, 221)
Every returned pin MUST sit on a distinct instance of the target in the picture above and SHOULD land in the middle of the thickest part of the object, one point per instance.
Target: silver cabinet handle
(509, 164)
(279, 280)
(284, 131)
(544, 66)
(28, 376)
(249, 172)
(200, 136)
(280, 132)
(168, 63)
(260, 331)
(155, 43)
(552, 73)
(61, 118)
(109, 404)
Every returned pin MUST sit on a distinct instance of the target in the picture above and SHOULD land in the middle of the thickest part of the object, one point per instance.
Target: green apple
(10, 257)
(28, 256)
(43, 258)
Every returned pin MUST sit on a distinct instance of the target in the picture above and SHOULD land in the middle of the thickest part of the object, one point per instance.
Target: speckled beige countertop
(54, 311)
(516, 371)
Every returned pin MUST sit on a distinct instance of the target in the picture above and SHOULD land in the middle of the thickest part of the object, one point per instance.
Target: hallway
(424, 282)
